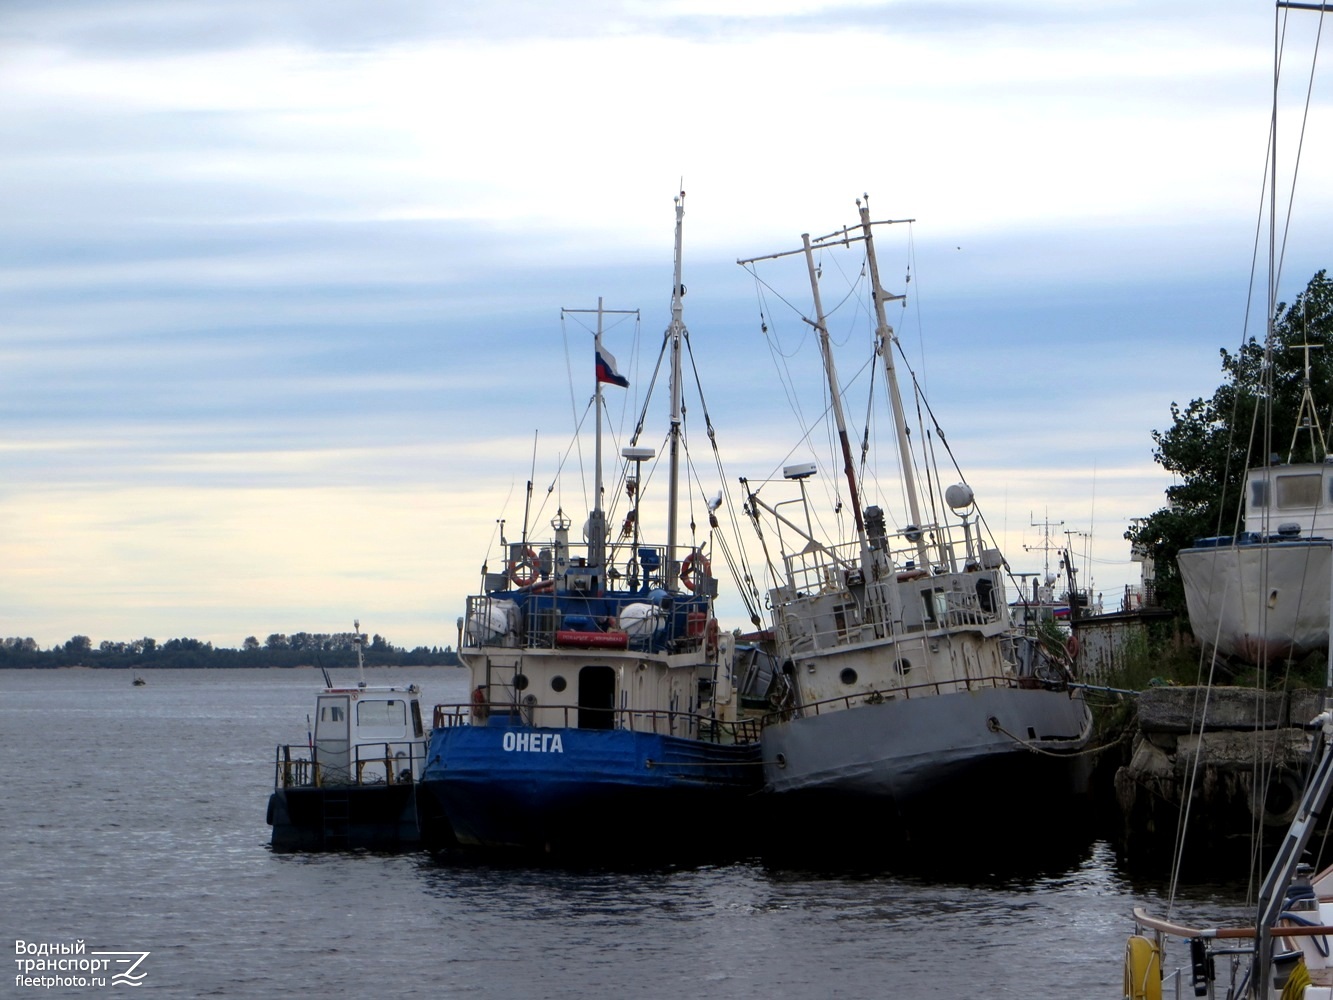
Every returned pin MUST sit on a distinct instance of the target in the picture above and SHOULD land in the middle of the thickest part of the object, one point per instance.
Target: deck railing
(369, 764)
(690, 724)
(921, 690)
(548, 621)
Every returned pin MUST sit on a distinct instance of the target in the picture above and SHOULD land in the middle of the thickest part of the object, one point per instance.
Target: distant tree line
(301, 649)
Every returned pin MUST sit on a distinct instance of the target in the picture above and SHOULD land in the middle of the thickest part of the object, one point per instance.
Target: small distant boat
(139, 681)
(354, 784)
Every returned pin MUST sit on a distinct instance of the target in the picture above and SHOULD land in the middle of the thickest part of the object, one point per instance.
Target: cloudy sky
(282, 280)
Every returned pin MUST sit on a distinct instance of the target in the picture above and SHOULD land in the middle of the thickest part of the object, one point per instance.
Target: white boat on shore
(1263, 595)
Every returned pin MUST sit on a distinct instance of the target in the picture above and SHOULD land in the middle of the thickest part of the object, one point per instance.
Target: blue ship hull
(596, 794)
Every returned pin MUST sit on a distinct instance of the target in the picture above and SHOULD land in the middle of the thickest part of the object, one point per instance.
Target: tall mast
(835, 392)
(884, 344)
(884, 333)
(674, 333)
(597, 517)
(1273, 890)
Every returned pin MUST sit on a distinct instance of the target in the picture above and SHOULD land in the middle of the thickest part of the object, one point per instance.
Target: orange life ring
(1071, 646)
(692, 571)
(523, 571)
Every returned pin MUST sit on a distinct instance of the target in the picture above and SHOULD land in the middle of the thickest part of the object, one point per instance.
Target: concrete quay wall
(1230, 761)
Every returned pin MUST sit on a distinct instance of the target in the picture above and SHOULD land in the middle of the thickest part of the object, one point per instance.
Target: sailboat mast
(674, 333)
(839, 420)
(884, 345)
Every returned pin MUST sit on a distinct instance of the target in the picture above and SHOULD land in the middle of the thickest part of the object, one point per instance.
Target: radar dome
(959, 496)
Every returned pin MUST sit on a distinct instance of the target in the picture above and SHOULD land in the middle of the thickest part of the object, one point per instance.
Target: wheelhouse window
(381, 713)
(1299, 491)
(417, 729)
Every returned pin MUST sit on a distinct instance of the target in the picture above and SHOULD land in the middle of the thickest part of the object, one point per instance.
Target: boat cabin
(1289, 501)
(362, 735)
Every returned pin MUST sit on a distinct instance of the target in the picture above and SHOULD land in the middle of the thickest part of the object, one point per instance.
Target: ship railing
(821, 568)
(830, 617)
(390, 763)
(539, 567)
(544, 622)
(536, 564)
(658, 721)
(843, 624)
(924, 689)
(387, 763)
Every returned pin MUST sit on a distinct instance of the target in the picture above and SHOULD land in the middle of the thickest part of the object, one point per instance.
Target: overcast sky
(282, 280)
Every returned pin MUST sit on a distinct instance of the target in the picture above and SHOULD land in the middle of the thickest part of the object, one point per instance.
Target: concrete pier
(1230, 760)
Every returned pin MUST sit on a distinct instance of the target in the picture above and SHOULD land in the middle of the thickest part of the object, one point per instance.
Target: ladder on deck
(336, 818)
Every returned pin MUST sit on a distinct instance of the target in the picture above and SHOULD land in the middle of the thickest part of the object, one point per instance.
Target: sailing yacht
(909, 706)
(603, 722)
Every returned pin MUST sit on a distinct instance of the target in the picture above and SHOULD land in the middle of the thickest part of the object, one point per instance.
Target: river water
(134, 822)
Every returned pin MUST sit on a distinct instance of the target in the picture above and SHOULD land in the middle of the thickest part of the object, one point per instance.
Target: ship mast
(884, 340)
(675, 332)
(597, 516)
(884, 337)
(835, 394)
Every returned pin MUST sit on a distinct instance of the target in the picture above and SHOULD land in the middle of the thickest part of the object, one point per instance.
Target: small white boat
(354, 784)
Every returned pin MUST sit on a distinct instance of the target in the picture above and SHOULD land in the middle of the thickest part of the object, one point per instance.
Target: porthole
(520, 682)
(904, 667)
(848, 675)
(557, 683)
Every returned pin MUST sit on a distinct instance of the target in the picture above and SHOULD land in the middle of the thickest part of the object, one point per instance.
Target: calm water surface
(134, 821)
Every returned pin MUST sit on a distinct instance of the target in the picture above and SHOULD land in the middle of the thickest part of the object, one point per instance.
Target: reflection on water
(143, 828)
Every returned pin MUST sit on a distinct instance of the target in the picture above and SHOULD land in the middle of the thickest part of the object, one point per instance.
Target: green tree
(79, 645)
(1250, 419)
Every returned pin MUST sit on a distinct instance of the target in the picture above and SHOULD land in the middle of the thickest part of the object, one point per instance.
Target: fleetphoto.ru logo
(46, 964)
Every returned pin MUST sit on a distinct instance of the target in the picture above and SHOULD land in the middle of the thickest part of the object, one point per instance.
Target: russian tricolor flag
(606, 369)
